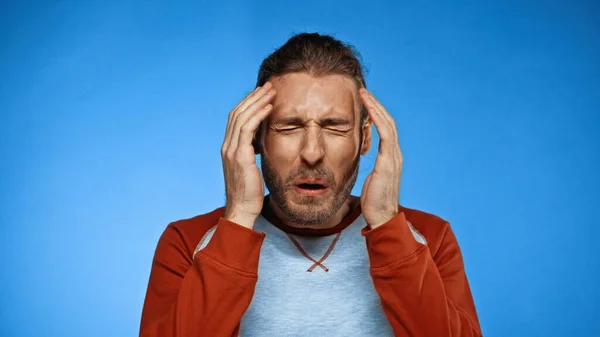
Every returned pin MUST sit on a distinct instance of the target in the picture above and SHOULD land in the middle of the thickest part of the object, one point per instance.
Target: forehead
(313, 97)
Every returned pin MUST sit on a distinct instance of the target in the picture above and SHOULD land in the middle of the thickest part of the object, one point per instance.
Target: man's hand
(243, 180)
(379, 198)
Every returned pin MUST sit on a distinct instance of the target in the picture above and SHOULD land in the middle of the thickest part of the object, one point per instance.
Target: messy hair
(317, 55)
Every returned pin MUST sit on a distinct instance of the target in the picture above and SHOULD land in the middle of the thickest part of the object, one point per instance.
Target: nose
(312, 152)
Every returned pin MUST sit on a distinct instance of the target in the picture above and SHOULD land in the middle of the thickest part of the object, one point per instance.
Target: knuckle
(247, 127)
(230, 155)
(240, 160)
(232, 114)
(234, 118)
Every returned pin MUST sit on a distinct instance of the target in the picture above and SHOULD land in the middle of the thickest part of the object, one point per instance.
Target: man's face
(310, 145)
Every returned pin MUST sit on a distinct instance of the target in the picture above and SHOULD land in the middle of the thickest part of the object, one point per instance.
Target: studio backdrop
(112, 115)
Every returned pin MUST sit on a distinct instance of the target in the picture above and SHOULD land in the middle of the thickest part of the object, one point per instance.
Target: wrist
(382, 220)
(240, 218)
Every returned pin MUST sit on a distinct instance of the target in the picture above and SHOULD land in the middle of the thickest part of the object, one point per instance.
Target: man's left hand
(379, 198)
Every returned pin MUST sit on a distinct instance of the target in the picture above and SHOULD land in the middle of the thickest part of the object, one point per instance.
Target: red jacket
(423, 288)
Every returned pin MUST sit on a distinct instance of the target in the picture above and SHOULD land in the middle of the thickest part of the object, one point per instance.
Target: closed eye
(287, 129)
(339, 130)
(335, 130)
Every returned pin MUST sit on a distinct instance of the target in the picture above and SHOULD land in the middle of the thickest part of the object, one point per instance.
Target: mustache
(320, 172)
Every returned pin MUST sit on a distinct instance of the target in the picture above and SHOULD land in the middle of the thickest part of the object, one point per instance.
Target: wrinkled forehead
(302, 95)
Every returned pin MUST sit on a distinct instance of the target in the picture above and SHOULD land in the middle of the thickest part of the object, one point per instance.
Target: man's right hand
(243, 180)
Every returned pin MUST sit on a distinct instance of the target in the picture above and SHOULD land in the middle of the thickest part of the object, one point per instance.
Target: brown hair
(317, 55)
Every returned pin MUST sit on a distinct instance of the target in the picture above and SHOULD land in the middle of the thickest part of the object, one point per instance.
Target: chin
(314, 201)
(309, 210)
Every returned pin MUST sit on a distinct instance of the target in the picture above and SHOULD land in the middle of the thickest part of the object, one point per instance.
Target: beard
(309, 211)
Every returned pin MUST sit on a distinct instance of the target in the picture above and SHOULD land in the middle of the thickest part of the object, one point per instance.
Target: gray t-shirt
(289, 300)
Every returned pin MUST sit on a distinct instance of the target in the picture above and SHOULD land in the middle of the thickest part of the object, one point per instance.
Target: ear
(366, 139)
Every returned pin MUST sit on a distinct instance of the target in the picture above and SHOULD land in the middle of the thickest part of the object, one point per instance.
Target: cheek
(282, 152)
(340, 154)
(339, 147)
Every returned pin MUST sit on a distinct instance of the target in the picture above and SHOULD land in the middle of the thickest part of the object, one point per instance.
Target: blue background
(113, 114)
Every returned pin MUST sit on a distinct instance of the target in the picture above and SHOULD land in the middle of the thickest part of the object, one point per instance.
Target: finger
(244, 105)
(381, 124)
(389, 117)
(243, 117)
(393, 145)
(248, 96)
(237, 110)
(254, 97)
(383, 111)
(230, 118)
(248, 130)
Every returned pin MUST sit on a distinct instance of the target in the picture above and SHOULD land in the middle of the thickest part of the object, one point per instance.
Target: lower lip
(311, 192)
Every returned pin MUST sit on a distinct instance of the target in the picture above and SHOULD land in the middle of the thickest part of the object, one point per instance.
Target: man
(309, 259)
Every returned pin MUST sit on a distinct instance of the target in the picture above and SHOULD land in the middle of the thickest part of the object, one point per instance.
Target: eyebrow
(289, 121)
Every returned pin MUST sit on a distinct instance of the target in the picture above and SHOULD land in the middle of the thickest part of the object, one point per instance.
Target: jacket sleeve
(204, 295)
(422, 295)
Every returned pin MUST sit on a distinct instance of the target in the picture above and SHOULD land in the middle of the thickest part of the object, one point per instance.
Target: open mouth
(311, 189)
(311, 186)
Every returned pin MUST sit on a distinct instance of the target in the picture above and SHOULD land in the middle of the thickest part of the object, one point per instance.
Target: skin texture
(312, 129)
(301, 140)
